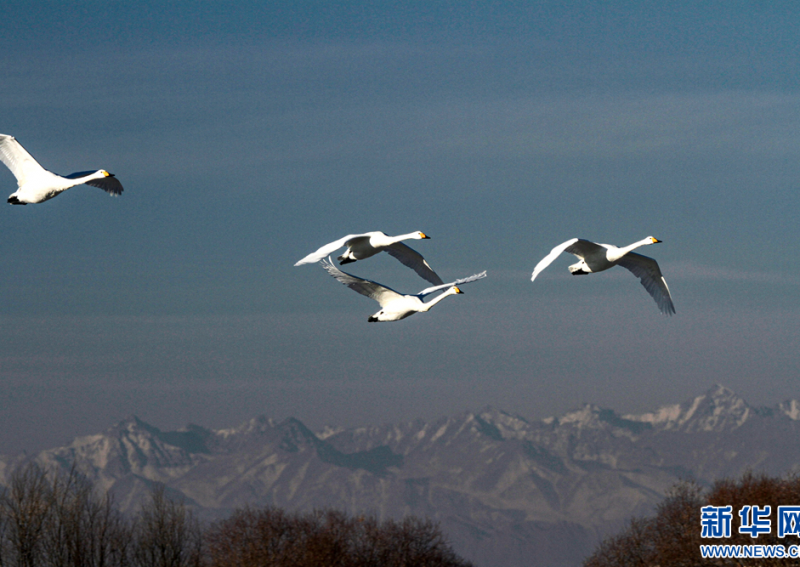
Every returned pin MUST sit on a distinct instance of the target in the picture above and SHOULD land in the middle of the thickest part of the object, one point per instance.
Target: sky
(249, 134)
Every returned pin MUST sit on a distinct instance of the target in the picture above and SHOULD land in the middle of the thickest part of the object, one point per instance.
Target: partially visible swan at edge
(36, 184)
(396, 306)
(598, 257)
(362, 246)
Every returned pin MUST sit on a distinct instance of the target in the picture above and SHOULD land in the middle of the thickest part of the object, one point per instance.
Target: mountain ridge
(504, 487)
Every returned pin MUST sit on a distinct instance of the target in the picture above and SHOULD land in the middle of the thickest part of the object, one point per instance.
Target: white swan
(395, 306)
(598, 257)
(361, 246)
(36, 184)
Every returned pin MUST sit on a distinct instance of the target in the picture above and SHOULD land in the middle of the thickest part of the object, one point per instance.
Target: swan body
(396, 306)
(362, 246)
(595, 257)
(36, 184)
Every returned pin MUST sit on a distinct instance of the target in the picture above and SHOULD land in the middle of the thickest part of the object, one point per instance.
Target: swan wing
(462, 281)
(110, 184)
(414, 260)
(554, 253)
(330, 248)
(648, 272)
(374, 290)
(18, 160)
(583, 248)
(575, 246)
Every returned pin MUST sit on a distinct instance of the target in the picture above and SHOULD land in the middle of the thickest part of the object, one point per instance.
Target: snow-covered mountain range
(506, 490)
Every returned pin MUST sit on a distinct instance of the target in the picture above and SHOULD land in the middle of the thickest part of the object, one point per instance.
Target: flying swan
(36, 184)
(598, 257)
(395, 306)
(361, 246)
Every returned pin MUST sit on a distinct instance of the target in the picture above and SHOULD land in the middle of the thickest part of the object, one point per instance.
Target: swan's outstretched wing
(329, 248)
(583, 248)
(462, 281)
(547, 260)
(110, 184)
(648, 272)
(414, 260)
(575, 246)
(376, 291)
(19, 161)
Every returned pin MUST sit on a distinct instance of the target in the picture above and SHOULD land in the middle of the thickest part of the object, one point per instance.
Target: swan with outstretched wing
(362, 246)
(36, 184)
(598, 257)
(396, 306)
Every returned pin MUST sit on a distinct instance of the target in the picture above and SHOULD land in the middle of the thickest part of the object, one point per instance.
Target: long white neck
(95, 175)
(615, 254)
(435, 300)
(401, 237)
(73, 181)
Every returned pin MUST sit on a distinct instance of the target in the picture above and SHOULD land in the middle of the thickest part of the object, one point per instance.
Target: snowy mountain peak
(329, 431)
(504, 425)
(587, 416)
(591, 416)
(296, 435)
(256, 425)
(717, 409)
(132, 425)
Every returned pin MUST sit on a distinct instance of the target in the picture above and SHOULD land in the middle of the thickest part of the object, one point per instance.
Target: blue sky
(248, 135)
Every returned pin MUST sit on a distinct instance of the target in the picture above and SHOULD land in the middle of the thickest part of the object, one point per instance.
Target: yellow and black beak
(656, 240)
(458, 289)
(425, 236)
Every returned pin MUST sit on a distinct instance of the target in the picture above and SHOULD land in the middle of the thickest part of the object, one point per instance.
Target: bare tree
(673, 536)
(166, 534)
(272, 537)
(4, 544)
(113, 535)
(85, 530)
(632, 548)
(256, 537)
(61, 526)
(60, 520)
(676, 530)
(25, 506)
(412, 541)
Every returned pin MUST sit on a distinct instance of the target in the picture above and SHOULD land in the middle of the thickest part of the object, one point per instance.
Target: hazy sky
(248, 134)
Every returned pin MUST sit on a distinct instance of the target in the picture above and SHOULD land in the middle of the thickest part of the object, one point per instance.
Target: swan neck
(620, 252)
(401, 237)
(84, 179)
(437, 299)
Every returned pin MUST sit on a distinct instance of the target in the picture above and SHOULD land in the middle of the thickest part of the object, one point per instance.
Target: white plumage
(36, 184)
(394, 305)
(362, 246)
(598, 257)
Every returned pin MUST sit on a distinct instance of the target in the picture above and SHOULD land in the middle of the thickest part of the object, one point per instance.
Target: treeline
(674, 535)
(59, 519)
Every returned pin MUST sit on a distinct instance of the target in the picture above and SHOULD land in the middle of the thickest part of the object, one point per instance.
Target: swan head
(101, 174)
(419, 235)
(457, 289)
(653, 240)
